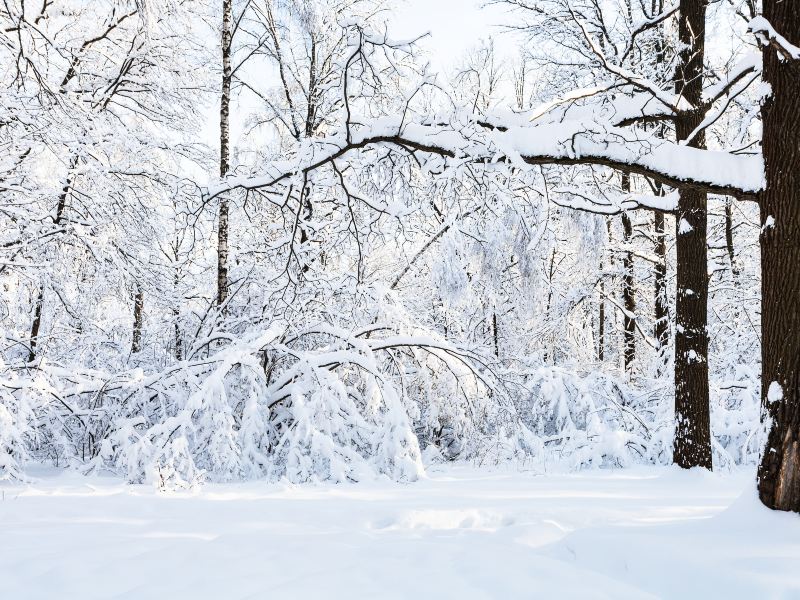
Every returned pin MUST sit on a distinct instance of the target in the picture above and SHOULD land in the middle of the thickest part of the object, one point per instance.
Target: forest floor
(461, 533)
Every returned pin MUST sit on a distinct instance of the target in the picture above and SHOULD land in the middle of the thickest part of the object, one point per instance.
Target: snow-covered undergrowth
(332, 405)
(458, 533)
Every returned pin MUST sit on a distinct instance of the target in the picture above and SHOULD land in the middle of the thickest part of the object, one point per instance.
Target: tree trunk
(628, 293)
(779, 471)
(138, 306)
(729, 236)
(661, 330)
(601, 328)
(692, 447)
(628, 296)
(495, 334)
(176, 315)
(224, 150)
(37, 323)
(601, 352)
(551, 341)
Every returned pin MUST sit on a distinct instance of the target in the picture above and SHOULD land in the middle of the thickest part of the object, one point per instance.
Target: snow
(775, 392)
(460, 533)
(530, 144)
(766, 34)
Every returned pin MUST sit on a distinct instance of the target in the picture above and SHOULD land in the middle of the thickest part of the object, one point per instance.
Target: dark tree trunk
(224, 150)
(729, 236)
(601, 328)
(495, 334)
(36, 325)
(307, 208)
(661, 331)
(551, 354)
(138, 317)
(628, 292)
(692, 446)
(692, 424)
(601, 351)
(176, 315)
(178, 339)
(779, 471)
(628, 297)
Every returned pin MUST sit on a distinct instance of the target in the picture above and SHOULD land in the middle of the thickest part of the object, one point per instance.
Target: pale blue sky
(454, 25)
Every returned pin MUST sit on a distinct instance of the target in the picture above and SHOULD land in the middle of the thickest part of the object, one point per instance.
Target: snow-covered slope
(460, 533)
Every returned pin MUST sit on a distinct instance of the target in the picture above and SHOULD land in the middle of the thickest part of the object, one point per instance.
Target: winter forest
(271, 247)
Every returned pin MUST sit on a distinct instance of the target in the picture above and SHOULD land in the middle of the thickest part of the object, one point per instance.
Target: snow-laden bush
(11, 444)
(590, 420)
(574, 420)
(15, 427)
(738, 435)
(335, 406)
(258, 408)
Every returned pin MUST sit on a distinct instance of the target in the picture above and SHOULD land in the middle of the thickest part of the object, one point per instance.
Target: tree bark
(176, 316)
(601, 351)
(661, 330)
(729, 236)
(779, 471)
(601, 328)
(224, 150)
(495, 334)
(628, 293)
(138, 317)
(547, 354)
(692, 446)
(661, 305)
(36, 325)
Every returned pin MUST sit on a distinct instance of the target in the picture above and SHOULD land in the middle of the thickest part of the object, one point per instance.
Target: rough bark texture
(176, 315)
(692, 423)
(729, 237)
(601, 352)
(138, 317)
(628, 297)
(628, 292)
(308, 208)
(601, 328)
(178, 340)
(36, 325)
(224, 150)
(661, 331)
(779, 471)
(495, 334)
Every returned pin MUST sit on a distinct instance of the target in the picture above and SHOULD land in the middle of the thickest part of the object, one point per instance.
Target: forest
(267, 241)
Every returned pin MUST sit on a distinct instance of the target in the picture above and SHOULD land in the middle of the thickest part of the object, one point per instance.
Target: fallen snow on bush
(457, 533)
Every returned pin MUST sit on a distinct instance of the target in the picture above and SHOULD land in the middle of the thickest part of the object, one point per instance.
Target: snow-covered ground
(461, 533)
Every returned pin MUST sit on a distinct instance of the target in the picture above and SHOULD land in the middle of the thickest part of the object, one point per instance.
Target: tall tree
(628, 291)
(224, 149)
(661, 302)
(692, 446)
(779, 471)
(138, 319)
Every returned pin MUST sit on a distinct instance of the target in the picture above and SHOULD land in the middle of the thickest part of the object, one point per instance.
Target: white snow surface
(460, 533)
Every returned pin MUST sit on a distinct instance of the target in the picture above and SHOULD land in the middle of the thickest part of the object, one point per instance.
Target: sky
(455, 26)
